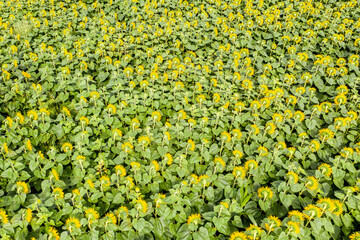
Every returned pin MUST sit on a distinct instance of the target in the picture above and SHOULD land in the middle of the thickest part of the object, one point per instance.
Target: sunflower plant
(179, 119)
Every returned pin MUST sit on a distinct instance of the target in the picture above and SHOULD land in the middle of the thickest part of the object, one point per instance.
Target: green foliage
(179, 120)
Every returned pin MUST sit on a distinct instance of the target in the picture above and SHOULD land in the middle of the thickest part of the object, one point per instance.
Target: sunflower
(277, 118)
(66, 111)
(201, 98)
(144, 140)
(255, 129)
(216, 97)
(28, 215)
(55, 173)
(311, 211)
(22, 187)
(293, 227)
(347, 152)
(25, 74)
(298, 115)
(156, 116)
(291, 100)
(293, 177)
(325, 106)
(127, 147)
(9, 121)
(72, 222)
(191, 144)
(340, 99)
(288, 114)
(5, 148)
(111, 218)
(239, 172)
(53, 233)
(254, 232)
(120, 170)
(247, 84)
(95, 95)
(122, 211)
(312, 183)
(272, 223)
(20, 117)
(265, 102)
(326, 134)
(296, 215)
(32, 114)
(105, 180)
(314, 145)
(156, 165)
(265, 193)
(194, 179)
(130, 181)
(219, 161)
(225, 136)
(353, 115)
(58, 193)
(194, 218)
(3, 216)
(90, 183)
(75, 192)
(255, 104)
(263, 151)
(326, 204)
(203, 179)
(270, 127)
(238, 236)
(141, 205)
(355, 236)
(338, 210)
(91, 214)
(116, 132)
(264, 89)
(238, 154)
(111, 108)
(239, 106)
(299, 90)
(135, 165)
(280, 145)
(325, 169)
(251, 164)
(67, 147)
(237, 134)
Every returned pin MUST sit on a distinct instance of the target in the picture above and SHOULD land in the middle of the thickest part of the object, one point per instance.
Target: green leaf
(214, 149)
(103, 75)
(118, 198)
(311, 124)
(139, 224)
(287, 200)
(221, 225)
(96, 196)
(209, 194)
(328, 225)
(347, 220)
(202, 234)
(183, 233)
(159, 226)
(58, 131)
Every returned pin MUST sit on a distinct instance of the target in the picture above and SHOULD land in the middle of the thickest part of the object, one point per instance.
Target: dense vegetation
(183, 120)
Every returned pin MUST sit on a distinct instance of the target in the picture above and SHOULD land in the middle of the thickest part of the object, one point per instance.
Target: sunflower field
(175, 119)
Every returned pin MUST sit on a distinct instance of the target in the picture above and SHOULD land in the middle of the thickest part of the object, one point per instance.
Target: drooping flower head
(194, 218)
(265, 193)
(272, 222)
(91, 214)
(3, 216)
